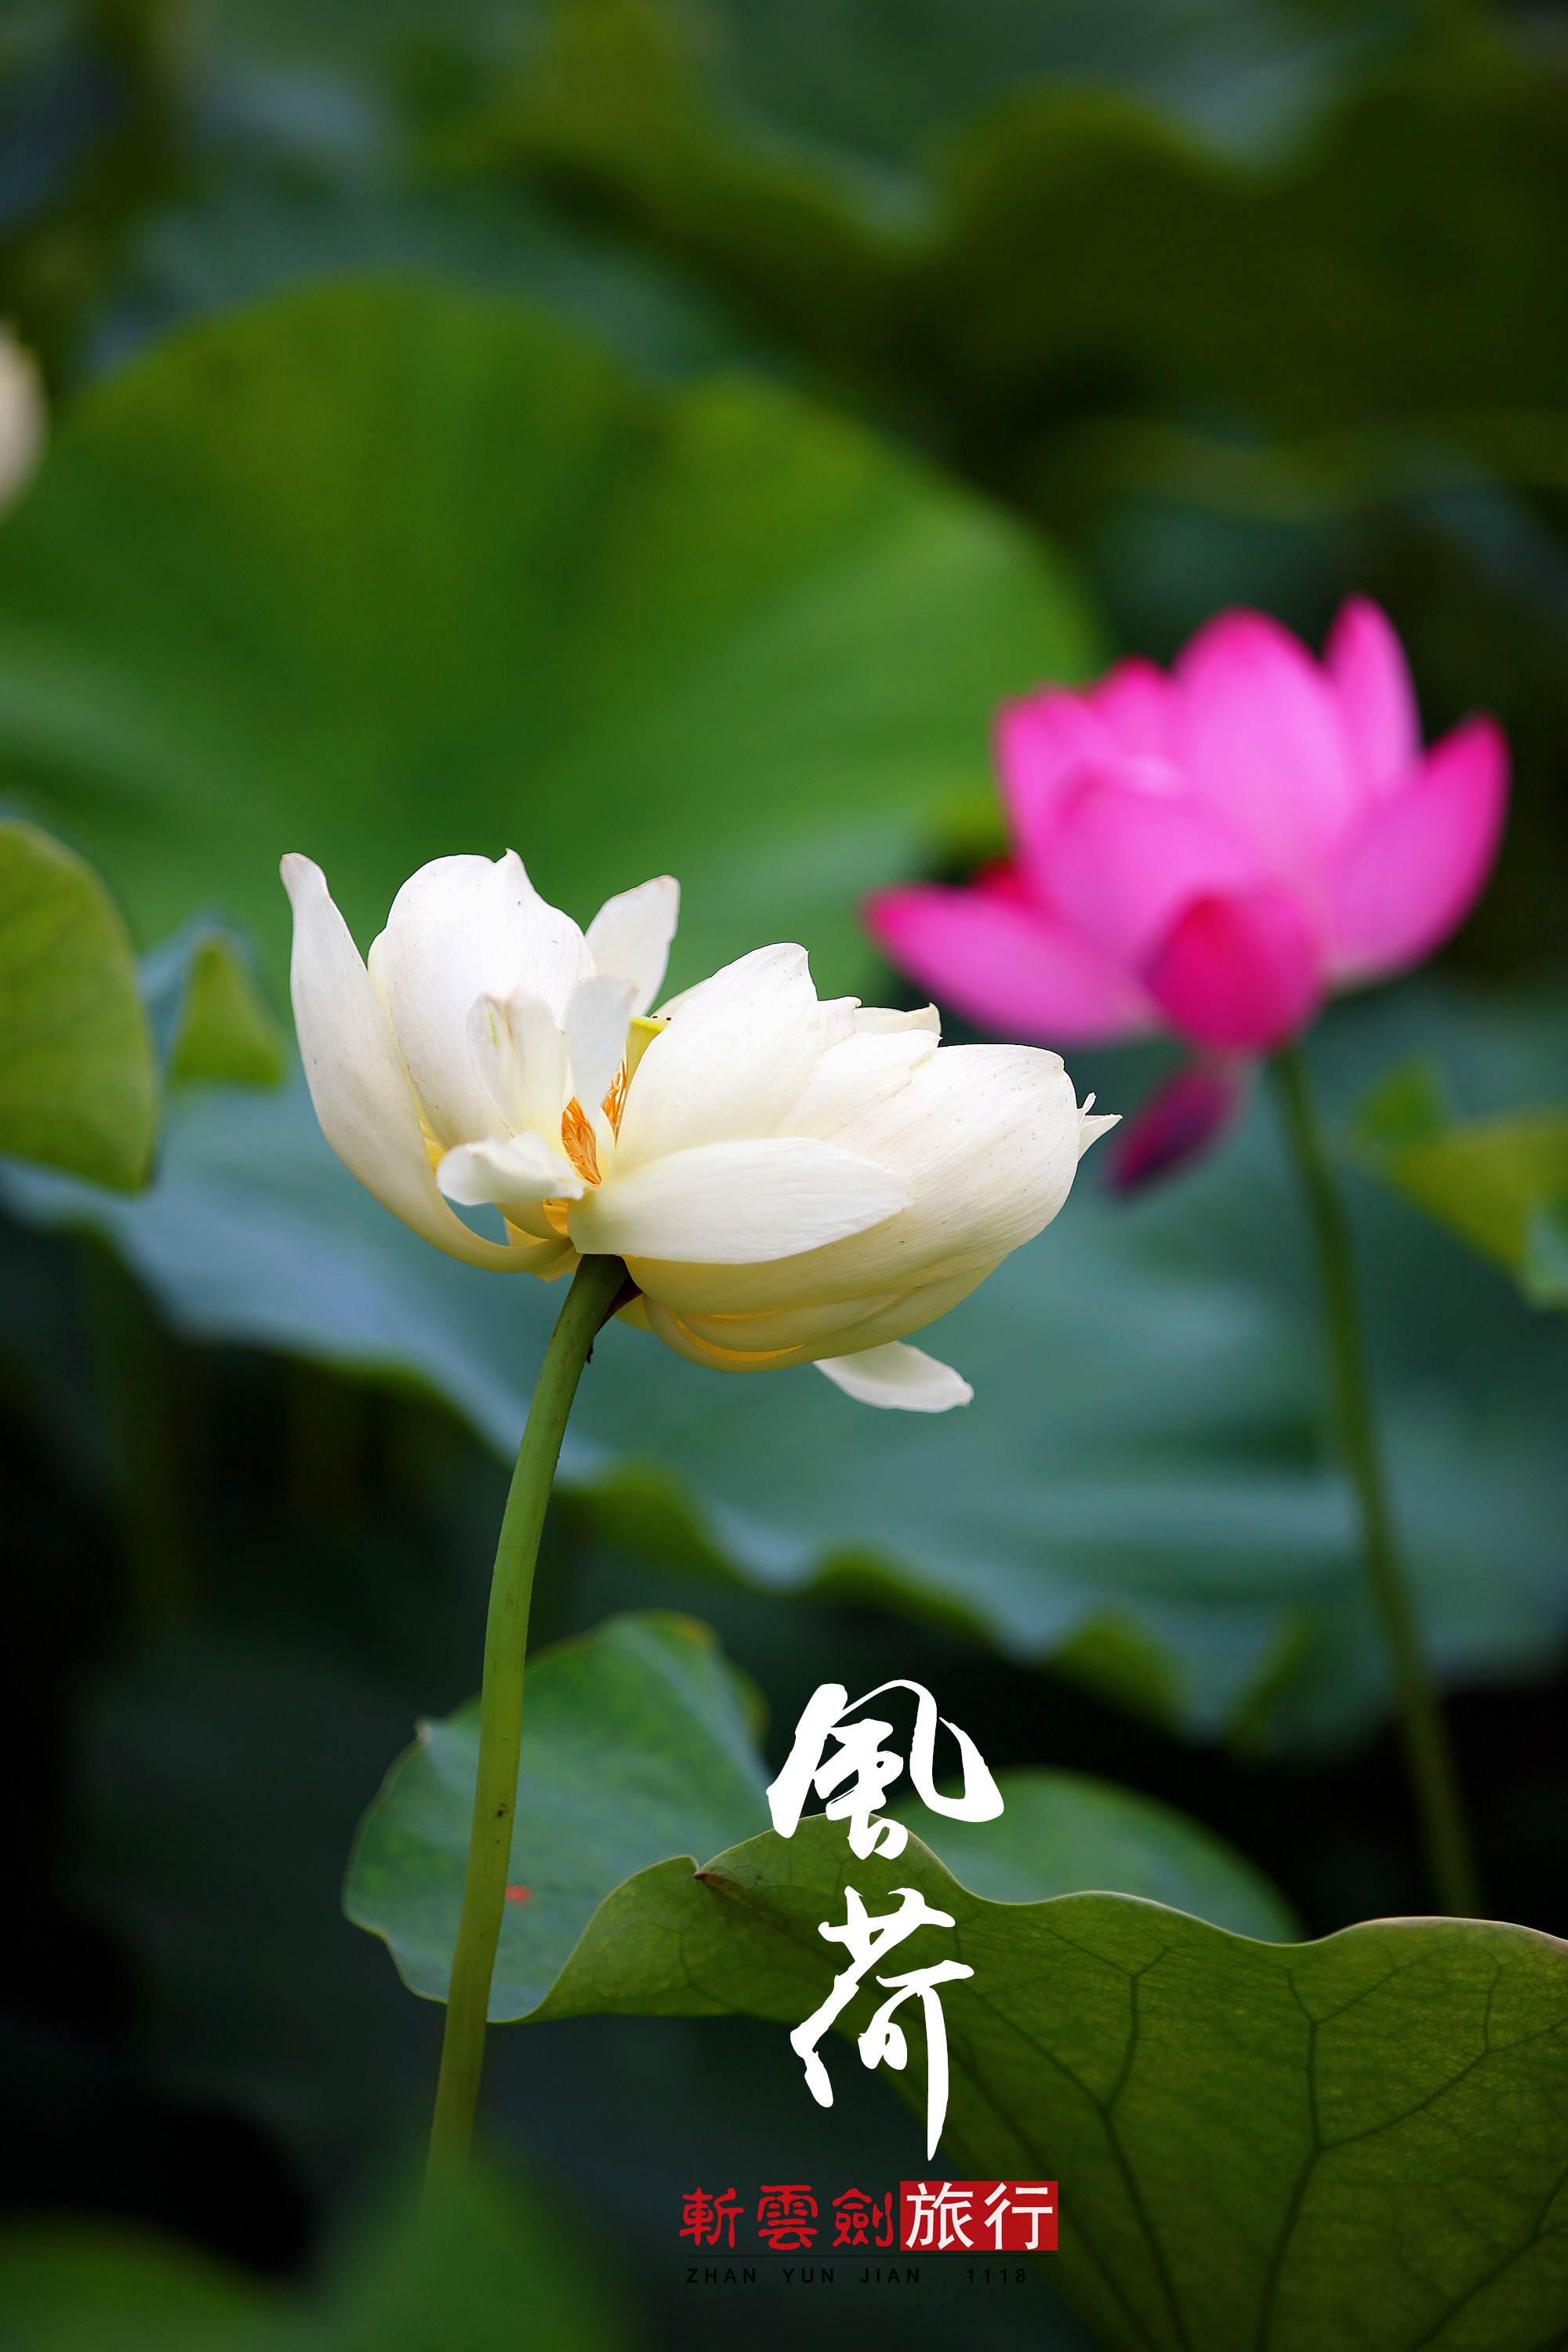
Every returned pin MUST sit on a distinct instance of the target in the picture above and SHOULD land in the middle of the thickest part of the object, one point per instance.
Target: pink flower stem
(1428, 1757)
(588, 1303)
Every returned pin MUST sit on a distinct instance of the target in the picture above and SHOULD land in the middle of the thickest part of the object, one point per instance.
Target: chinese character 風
(870, 1769)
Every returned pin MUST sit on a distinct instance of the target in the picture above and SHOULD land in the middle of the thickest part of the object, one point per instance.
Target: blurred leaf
(1501, 1184)
(1359, 2142)
(211, 1020)
(380, 573)
(480, 2259)
(888, 83)
(633, 1748)
(94, 125)
(1221, 379)
(1082, 245)
(218, 1776)
(76, 1083)
(65, 2285)
(1544, 1275)
(1144, 1492)
(1063, 1833)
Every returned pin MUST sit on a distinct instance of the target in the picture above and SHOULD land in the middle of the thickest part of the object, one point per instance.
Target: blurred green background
(658, 437)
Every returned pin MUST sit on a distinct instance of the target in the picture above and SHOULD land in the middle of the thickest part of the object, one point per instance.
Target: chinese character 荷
(867, 1941)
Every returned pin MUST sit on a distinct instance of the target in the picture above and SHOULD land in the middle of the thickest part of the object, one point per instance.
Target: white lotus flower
(23, 416)
(788, 1181)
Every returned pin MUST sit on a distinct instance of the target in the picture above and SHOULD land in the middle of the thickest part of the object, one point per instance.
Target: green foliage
(77, 1089)
(1143, 1492)
(226, 1034)
(93, 108)
(1078, 242)
(480, 2259)
(1063, 1831)
(380, 573)
(1500, 1184)
(1338, 360)
(1357, 2142)
(633, 1748)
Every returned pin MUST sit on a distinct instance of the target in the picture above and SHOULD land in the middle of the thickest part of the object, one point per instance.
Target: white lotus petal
(986, 1135)
(866, 1069)
(898, 1376)
(732, 1203)
(838, 1016)
(357, 1081)
(459, 929)
(629, 937)
(734, 1060)
(876, 1020)
(597, 1021)
(799, 1334)
(1089, 1130)
(23, 416)
(807, 1331)
(520, 1057)
(508, 1170)
(672, 1004)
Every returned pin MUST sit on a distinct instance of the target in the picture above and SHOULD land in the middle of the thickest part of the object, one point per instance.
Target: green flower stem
(588, 1302)
(1428, 1757)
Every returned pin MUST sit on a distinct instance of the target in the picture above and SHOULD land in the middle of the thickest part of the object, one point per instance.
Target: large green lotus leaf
(1361, 2142)
(1064, 1832)
(381, 572)
(481, 2253)
(1143, 1491)
(77, 1087)
(1500, 1184)
(635, 1747)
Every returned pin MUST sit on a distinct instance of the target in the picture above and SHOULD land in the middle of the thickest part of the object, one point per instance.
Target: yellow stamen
(577, 1140)
(645, 1028)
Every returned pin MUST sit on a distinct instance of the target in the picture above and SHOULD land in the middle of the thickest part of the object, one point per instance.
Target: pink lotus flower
(1215, 851)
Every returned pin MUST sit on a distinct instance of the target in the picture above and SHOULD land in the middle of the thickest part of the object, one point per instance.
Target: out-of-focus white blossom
(24, 419)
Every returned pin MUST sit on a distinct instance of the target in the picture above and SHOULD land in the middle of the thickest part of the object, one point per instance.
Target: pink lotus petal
(1132, 847)
(1181, 1120)
(1260, 736)
(1041, 744)
(1408, 878)
(1366, 663)
(1136, 702)
(1006, 967)
(1240, 973)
